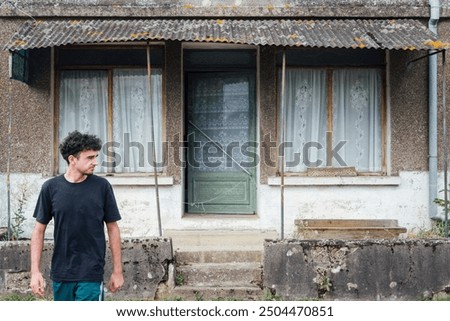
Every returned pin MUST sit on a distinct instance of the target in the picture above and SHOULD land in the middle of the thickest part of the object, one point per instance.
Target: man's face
(85, 162)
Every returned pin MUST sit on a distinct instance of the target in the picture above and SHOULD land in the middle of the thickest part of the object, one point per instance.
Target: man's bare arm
(37, 244)
(116, 281)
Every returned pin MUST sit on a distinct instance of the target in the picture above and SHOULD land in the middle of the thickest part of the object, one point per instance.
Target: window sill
(336, 181)
(131, 180)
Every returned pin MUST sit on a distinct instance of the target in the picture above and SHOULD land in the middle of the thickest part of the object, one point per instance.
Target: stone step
(202, 255)
(219, 275)
(219, 239)
(189, 293)
(348, 229)
(214, 264)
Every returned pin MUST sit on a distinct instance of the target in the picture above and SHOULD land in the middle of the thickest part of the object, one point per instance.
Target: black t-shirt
(79, 211)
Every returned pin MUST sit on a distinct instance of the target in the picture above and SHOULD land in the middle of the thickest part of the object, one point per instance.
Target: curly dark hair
(76, 142)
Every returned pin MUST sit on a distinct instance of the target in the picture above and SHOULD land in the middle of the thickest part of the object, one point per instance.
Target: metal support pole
(8, 161)
(155, 174)
(281, 151)
(444, 138)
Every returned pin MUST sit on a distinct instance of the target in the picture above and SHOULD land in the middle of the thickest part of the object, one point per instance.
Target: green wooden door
(221, 143)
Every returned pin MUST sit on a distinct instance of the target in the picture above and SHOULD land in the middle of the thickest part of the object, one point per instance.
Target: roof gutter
(433, 112)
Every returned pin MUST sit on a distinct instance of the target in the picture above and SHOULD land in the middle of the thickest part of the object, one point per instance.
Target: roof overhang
(401, 34)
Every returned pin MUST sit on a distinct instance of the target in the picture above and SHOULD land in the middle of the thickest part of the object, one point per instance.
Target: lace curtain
(84, 107)
(305, 119)
(219, 112)
(132, 118)
(356, 119)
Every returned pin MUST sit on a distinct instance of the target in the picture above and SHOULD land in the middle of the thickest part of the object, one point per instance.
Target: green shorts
(78, 291)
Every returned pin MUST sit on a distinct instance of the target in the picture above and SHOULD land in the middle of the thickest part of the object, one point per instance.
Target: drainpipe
(433, 111)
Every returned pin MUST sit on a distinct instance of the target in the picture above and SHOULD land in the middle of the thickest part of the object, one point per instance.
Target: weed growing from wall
(441, 228)
(19, 218)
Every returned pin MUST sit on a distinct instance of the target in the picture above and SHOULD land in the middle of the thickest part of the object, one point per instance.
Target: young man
(79, 203)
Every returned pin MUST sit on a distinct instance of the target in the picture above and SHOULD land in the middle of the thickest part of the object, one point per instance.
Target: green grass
(18, 297)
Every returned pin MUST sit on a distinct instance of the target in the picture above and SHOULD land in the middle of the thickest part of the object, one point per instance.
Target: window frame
(329, 137)
(109, 69)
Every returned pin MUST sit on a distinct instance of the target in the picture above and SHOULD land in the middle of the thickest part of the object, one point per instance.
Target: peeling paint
(352, 286)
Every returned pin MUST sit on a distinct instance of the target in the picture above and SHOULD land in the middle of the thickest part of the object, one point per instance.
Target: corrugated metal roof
(407, 34)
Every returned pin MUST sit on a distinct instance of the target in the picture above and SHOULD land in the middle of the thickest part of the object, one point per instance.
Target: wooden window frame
(109, 70)
(329, 136)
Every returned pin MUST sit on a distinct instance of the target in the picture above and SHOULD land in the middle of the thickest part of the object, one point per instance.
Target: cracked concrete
(145, 264)
(411, 269)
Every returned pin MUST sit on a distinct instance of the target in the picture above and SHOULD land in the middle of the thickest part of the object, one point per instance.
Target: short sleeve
(111, 210)
(43, 209)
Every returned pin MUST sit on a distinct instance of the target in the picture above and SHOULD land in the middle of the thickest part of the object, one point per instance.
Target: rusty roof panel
(406, 34)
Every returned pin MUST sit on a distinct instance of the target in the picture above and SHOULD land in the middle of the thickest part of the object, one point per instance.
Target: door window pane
(220, 120)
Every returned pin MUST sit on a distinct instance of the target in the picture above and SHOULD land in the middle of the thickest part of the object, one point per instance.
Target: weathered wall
(409, 112)
(267, 115)
(174, 107)
(357, 270)
(32, 123)
(145, 265)
(296, 270)
(403, 198)
(30, 109)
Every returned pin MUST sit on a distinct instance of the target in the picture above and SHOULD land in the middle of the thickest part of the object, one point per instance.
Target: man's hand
(37, 284)
(115, 282)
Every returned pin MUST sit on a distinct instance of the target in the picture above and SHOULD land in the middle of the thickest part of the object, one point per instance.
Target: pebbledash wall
(402, 195)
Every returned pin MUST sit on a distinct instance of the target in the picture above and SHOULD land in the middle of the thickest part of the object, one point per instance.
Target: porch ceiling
(403, 34)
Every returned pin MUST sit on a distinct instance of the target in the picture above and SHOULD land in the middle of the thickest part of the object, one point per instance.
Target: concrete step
(348, 229)
(189, 293)
(219, 275)
(202, 255)
(219, 239)
(216, 264)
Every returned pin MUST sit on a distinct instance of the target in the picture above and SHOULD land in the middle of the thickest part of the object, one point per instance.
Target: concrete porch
(217, 264)
(221, 264)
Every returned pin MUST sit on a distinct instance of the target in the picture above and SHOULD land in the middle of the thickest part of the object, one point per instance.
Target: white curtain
(357, 118)
(305, 118)
(83, 106)
(132, 122)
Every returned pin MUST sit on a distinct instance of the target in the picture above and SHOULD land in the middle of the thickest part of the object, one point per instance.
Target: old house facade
(211, 90)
